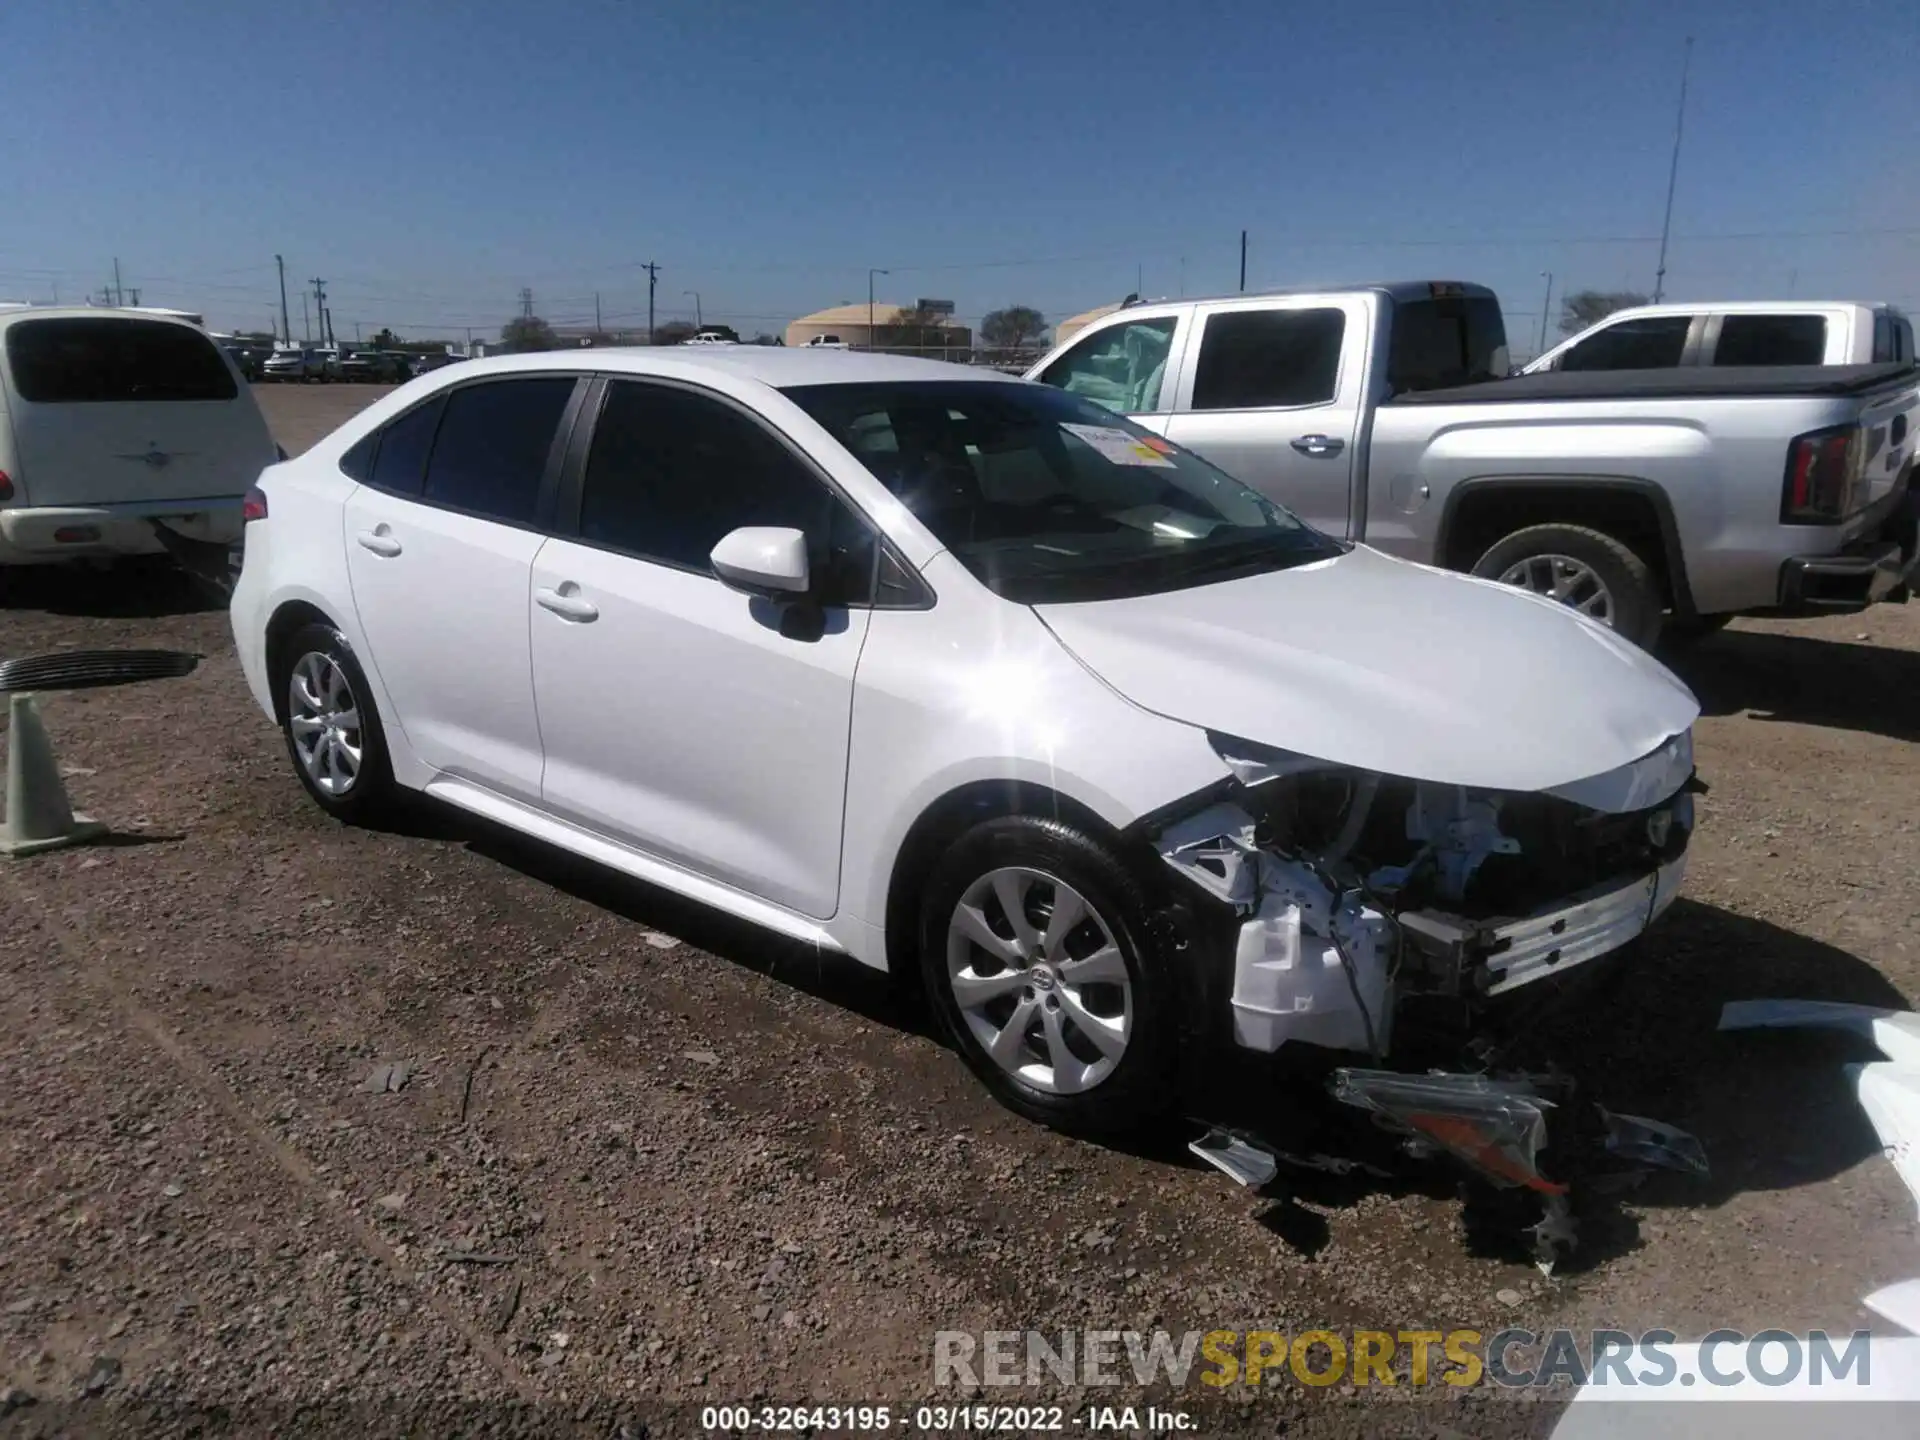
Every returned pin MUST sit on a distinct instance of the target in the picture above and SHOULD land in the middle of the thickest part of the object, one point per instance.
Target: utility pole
(1243, 262)
(286, 325)
(1546, 309)
(1673, 174)
(596, 312)
(306, 324)
(698, 322)
(134, 290)
(356, 332)
(319, 306)
(118, 297)
(526, 303)
(653, 279)
(870, 275)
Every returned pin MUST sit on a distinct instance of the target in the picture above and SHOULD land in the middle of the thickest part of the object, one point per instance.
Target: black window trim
(1199, 342)
(572, 484)
(545, 501)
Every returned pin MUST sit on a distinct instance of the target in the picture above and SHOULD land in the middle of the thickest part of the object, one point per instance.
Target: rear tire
(1075, 1025)
(332, 730)
(1586, 570)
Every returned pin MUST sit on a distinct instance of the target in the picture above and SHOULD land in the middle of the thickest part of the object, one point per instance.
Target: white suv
(965, 677)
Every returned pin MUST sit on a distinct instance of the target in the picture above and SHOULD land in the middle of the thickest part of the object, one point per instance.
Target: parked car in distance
(284, 365)
(1741, 333)
(111, 420)
(825, 342)
(970, 679)
(1655, 501)
(712, 337)
(374, 367)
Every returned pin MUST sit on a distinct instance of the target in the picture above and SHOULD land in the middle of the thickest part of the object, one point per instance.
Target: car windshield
(1047, 498)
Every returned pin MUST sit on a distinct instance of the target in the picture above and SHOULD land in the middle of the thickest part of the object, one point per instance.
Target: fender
(1673, 555)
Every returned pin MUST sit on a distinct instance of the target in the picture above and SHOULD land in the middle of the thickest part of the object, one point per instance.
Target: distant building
(942, 337)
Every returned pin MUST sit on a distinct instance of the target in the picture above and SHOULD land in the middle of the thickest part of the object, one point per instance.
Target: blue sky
(431, 157)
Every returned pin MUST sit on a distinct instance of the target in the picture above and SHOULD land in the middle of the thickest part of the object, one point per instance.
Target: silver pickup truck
(1656, 501)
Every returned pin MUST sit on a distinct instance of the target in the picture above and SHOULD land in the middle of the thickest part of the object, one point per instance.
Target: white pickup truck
(1653, 500)
(1736, 333)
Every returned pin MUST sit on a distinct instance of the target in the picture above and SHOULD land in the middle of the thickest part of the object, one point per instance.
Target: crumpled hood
(1376, 663)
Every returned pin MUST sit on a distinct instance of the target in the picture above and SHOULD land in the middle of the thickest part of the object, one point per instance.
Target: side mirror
(765, 560)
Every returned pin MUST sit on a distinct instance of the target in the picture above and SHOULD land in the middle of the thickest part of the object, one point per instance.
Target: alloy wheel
(323, 719)
(1572, 582)
(1039, 980)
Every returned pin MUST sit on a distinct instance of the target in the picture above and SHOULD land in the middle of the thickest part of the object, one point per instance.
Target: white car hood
(1368, 661)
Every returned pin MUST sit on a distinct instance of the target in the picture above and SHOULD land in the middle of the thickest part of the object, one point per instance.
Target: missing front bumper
(1506, 955)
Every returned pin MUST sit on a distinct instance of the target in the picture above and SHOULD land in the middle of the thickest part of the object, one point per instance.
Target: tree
(1590, 307)
(674, 332)
(385, 339)
(527, 332)
(1018, 327)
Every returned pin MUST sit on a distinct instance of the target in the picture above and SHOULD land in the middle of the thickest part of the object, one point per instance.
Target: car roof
(11, 314)
(772, 365)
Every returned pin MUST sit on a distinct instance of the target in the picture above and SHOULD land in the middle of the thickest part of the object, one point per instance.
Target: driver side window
(671, 471)
(1123, 367)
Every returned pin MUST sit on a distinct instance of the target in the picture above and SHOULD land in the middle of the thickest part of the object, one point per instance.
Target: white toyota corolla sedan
(971, 679)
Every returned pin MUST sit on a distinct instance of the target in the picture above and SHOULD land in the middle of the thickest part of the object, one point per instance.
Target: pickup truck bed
(1687, 470)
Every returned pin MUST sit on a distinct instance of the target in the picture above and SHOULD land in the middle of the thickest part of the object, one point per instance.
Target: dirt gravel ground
(644, 1160)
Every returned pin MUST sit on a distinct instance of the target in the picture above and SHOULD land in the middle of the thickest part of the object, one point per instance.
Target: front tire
(332, 731)
(1036, 953)
(1585, 570)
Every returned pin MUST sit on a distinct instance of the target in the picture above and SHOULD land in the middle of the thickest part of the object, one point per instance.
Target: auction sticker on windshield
(1119, 447)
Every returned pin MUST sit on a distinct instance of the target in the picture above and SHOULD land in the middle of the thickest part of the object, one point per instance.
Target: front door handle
(379, 542)
(568, 604)
(1319, 445)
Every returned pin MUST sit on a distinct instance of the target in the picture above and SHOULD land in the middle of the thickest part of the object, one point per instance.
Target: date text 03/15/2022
(1010, 1419)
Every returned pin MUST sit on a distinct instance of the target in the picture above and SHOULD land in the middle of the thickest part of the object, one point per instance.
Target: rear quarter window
(80, 361)
(1771, 340)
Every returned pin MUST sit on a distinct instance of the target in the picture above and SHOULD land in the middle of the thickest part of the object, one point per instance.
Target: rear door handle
(1319, 445)
(568, 606)
(379, 542)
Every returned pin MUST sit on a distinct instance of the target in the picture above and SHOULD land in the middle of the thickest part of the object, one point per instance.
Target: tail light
(6, 487)
(1823, 469)
(254, 506)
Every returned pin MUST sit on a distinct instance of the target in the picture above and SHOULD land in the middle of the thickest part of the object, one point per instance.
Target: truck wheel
(1585, 570)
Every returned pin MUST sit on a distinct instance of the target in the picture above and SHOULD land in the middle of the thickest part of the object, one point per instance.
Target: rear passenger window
(491, 450)
(400, 460)
(1771, 340)
(1654, 343)
(1254, 358)
(86, 361)
(671, 472)
(357, 463)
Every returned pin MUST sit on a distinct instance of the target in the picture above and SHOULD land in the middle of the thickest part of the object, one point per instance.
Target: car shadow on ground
(1773, 1110)
(1844, 685)
(130, 590)
(836, 978)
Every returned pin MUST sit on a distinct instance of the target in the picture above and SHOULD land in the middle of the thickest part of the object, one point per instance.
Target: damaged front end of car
(1386, 940)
